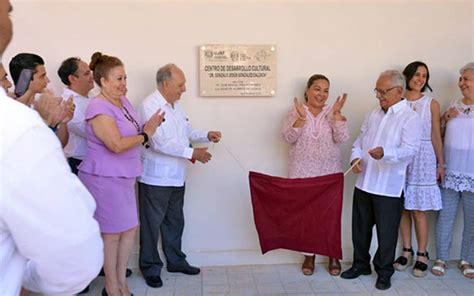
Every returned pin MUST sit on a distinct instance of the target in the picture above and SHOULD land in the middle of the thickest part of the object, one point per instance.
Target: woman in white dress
(422, 193)
(458, 186)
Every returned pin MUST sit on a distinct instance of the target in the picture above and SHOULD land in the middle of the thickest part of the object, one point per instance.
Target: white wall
(349, 41)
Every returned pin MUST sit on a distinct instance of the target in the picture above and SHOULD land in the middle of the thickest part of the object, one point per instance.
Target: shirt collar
(161, 100)
(397, 107)
(68, 92)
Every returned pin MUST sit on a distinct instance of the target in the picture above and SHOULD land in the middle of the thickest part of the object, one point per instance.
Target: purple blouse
(99, 160)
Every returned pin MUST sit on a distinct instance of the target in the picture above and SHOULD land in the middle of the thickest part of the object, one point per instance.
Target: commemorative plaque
(237, 70)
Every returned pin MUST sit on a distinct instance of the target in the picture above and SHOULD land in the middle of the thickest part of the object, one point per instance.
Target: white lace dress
(459, 149)
(422, 192)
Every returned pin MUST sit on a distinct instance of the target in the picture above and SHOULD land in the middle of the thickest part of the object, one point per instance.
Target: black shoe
(355, 272)
(191, 270)
(154, 281)
(127, 273)
(383, 283)
(86, 290)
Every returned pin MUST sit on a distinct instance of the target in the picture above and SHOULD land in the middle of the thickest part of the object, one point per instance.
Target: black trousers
(383, 212)
(73, 164)
(161, 210)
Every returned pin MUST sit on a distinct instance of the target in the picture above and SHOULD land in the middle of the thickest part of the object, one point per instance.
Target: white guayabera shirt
(49, 241)
(398, 132)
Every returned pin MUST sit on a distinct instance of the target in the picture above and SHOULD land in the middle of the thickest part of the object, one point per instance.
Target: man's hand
(358, 167)
(214, 136)
(376, 153)
(50, 108)
(69, 108)
(201, 154)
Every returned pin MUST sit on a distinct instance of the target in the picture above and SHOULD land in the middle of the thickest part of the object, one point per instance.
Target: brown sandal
(308, 265)
(334, 266)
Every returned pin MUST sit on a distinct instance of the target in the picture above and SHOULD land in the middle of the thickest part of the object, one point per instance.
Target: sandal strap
(402, 260)
(462, 262)
(408, 250)
(420, 266)
(424, 254)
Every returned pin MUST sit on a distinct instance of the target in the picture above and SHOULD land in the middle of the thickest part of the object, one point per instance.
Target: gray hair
(397, 78)
(164, 74)
(467, 67)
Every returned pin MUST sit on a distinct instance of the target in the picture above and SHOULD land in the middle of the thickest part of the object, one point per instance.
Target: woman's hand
(300, 109)
(440, 174)
(339, 104)
(450, 113)
(154, 122)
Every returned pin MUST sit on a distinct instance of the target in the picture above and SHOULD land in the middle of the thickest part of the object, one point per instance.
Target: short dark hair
(410, 71)
(313, 79)
(24, 61)
(68, 67)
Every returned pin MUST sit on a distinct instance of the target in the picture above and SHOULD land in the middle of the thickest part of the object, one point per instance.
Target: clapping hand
(300, 109)
(154, 122)
(50, 108)
(337, 107)
(69, 108)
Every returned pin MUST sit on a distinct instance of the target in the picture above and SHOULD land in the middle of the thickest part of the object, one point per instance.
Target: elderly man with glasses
(389, 138)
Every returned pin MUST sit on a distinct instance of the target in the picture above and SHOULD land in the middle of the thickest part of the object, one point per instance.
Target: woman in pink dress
(111, 165)
(315, 132)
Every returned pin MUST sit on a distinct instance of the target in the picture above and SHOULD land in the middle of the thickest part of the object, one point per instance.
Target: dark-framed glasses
(383, 92)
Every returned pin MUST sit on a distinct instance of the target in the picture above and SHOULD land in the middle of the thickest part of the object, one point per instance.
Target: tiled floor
(286, 279)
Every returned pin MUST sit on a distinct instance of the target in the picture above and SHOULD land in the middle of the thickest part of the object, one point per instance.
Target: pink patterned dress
(315, 147)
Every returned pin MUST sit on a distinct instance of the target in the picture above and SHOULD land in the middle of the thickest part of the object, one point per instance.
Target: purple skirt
(116, 201)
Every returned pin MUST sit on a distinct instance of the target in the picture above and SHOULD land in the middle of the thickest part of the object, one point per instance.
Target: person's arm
(338, 122)
(292, 125)
(436, 139)
(452, 112)
(63, 134)
(49, 214)
(77, 126)
(105, 129)
(163, 140)
(340, 131)
(27, 98)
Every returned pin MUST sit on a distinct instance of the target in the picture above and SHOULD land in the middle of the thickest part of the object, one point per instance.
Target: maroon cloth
(301, 214)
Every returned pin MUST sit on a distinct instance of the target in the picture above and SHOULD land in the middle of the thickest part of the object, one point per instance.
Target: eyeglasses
(383, 92)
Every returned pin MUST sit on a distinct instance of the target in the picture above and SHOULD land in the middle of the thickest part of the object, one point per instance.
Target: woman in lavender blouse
(111, 165)
(315, 131)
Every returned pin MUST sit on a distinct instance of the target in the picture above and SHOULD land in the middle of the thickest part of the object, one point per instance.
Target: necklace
(130, 118)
